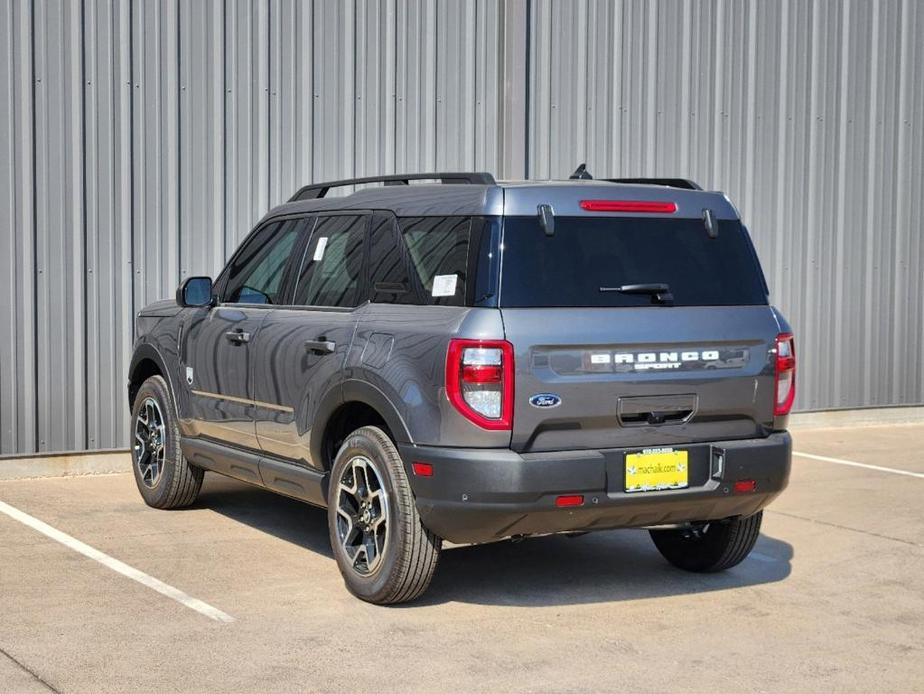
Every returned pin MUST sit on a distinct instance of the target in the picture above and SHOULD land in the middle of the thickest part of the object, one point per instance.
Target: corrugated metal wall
(810, 115)
(139, 141)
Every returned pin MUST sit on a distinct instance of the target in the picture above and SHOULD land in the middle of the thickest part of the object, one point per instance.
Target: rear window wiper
(660, 293)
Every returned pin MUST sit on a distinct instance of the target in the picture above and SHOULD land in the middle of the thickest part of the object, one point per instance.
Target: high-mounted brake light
(652, 206)
(479, 381)
(784, 391)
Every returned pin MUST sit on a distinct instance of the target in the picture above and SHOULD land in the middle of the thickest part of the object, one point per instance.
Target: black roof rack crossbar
(315, 191)
(672, 182)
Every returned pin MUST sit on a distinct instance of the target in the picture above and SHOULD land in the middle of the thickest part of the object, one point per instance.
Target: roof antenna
(581, 173)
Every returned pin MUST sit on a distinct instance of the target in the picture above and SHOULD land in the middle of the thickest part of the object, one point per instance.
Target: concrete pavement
(832, 598)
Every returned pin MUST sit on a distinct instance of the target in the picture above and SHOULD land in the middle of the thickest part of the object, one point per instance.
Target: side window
(331, 272)
(438, 247)
(257, 273)
(388, 264)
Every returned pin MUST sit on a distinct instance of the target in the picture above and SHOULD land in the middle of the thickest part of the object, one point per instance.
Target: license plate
(656, 468)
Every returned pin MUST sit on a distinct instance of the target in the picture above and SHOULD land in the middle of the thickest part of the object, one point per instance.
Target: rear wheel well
(346, 419)
(143, 370)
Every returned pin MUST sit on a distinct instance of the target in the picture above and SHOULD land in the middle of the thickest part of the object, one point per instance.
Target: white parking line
(879, 468)
(116, 565)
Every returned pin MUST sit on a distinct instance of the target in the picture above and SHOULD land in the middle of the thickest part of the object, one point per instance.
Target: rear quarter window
(454, 259)
(585, 254)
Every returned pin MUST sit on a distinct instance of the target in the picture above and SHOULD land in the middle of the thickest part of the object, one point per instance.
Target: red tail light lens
(652, 206)
(569, 500)
(479, 381)
(785, 388)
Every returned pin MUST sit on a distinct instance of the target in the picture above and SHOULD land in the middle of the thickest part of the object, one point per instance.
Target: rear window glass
(586, 254)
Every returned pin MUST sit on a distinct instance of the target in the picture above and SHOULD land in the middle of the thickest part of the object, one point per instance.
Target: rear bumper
(479, 495)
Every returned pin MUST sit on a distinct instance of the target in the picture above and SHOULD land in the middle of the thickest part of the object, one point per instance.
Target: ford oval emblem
(545, 400)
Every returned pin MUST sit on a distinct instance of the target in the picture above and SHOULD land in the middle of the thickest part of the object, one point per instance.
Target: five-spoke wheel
(164, 477)
(150, 438)
(383, 550)
(362, 515)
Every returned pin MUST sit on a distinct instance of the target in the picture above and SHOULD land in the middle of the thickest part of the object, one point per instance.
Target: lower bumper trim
(482, 495)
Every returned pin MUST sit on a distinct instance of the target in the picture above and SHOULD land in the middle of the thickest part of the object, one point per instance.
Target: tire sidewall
(156, 389)
(370, 587)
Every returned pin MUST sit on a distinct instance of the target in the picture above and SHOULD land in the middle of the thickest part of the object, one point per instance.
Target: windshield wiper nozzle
(660, 293)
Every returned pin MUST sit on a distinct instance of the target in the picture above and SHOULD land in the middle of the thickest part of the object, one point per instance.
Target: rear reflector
(570, 500)
(744, 486)
(651, 206)
(422, 469)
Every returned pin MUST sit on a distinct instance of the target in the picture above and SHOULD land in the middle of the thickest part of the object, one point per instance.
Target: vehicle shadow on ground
(280, 516)
(605, 566)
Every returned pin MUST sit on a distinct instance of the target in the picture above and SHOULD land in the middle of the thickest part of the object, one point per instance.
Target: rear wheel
(162, 474)
(713, 546)
(384, 552)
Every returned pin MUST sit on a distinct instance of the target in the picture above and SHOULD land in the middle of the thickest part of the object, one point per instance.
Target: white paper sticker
(444, 285)
(599, 358)
(319, 249)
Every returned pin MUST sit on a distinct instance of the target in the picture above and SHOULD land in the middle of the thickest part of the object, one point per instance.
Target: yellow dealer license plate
(656, 468)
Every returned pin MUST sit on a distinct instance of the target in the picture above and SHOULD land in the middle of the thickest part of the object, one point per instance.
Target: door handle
(321, 346)
(238, 337)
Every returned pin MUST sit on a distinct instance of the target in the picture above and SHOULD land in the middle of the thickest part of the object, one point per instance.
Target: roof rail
(315, 191)
(670, 182)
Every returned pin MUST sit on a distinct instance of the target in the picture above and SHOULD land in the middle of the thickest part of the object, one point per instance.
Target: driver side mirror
(195, 291)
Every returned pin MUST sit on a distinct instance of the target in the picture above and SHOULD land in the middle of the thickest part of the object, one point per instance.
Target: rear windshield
(585, 254)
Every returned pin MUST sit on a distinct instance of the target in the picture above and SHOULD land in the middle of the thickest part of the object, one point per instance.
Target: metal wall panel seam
(34, 195)
(86, 269)
(836, 362)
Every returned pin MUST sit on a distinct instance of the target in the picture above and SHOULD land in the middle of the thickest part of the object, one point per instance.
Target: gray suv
(472, 360)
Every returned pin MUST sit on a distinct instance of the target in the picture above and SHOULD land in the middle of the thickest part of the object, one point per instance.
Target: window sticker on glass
(599, 358)
(444, 285)
(319, 249)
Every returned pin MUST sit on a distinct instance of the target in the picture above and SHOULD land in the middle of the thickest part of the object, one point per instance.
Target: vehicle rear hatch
(601, 364)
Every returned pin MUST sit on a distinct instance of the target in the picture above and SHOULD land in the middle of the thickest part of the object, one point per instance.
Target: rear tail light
(785, 388)
(569, 500)
(479, 381)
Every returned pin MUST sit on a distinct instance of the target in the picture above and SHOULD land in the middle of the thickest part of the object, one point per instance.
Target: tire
(717, 546)
(383, 551)
(164, 477)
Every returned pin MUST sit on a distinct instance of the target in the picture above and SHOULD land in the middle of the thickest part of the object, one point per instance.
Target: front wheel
(713, 546)
(384, 552)
(164, 477)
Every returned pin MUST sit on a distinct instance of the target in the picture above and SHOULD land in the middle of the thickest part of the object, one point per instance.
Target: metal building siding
(59, 222)
(107, 199)
(17, 238)
(140, 141)
(809, 115)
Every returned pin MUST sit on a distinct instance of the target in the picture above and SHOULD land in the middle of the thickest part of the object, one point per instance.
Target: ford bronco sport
(471, 360)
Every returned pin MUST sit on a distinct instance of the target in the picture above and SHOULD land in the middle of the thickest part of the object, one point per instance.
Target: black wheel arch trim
(148, 352)
(353, 390)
